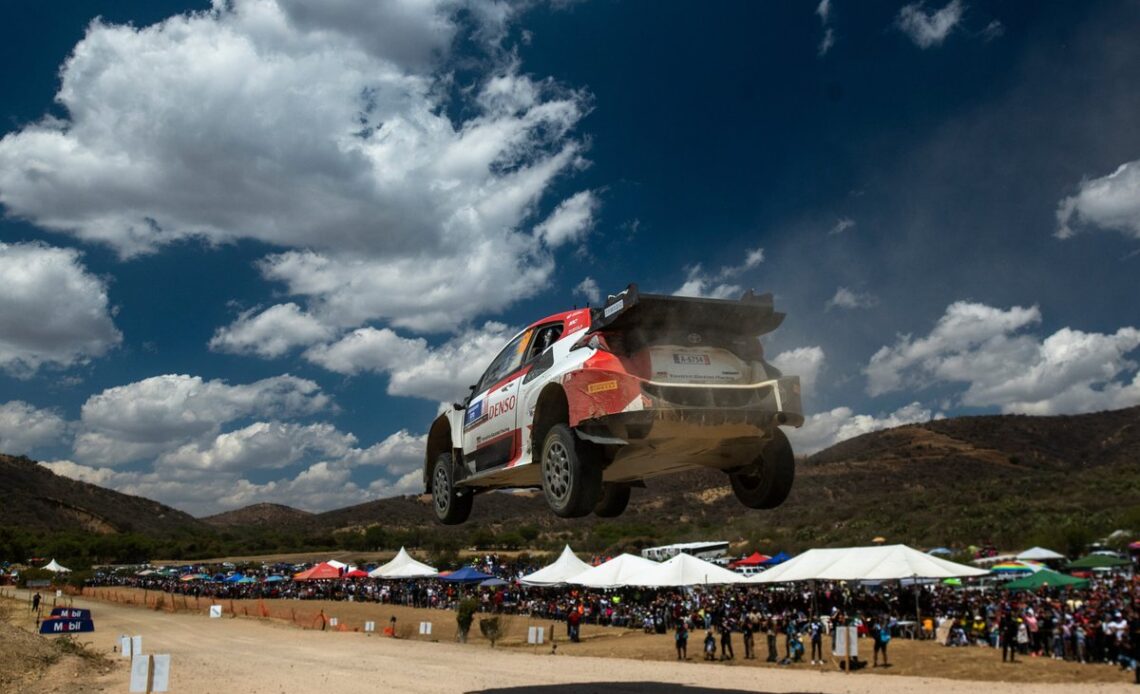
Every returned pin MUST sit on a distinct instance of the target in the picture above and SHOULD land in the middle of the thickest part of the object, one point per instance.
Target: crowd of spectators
(1099, 623)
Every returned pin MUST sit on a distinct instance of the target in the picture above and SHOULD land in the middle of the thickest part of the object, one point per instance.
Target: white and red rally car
(588, 403)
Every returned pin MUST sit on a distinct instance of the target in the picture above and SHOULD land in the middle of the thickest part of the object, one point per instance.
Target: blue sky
(248, 249)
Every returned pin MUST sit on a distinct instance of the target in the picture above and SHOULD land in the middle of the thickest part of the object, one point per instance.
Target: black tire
(615, 497)
(571, 473)
(450, 507)
(767, 483)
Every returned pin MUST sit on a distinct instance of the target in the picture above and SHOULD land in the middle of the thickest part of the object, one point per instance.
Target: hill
(1011, 480)
(33, 497)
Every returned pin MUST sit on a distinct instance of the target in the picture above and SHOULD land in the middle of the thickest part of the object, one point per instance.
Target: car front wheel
(451, 507)
(767, 482)
(571, 473)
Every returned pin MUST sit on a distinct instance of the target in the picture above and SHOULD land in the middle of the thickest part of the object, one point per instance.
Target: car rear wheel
(615, 497)
(571, 473)
(767, 482)
(451, 507)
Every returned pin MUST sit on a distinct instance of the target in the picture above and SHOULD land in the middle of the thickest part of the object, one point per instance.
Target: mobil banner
(59, 625)
(71, 613)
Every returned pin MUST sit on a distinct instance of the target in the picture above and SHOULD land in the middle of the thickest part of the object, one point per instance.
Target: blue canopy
(777, 559)
(234, 578)
(274, 579)
(218, 578)
(468, 574)
(494, 583)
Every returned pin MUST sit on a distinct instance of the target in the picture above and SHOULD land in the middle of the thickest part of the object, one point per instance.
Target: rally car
(591, 402)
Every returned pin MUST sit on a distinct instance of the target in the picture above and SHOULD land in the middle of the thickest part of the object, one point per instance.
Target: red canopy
(356, 573)
(755, 560)
(322, 570)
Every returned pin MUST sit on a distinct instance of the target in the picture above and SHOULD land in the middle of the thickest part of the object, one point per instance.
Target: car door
(490, 429)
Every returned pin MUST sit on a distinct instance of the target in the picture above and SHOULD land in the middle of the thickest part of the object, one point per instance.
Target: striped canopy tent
(1017, 566)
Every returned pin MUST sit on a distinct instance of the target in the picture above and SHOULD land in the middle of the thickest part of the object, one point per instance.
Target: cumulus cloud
(213, 477)
(143, 419)
(270, 333)
(929, 28)
(1109, 202)
(823, 9)
(52, 310)
(570, 221)
(589, 288)
(848, 298)
(23, 428)
(984, 348)
(323, 130)
(805, 362)
(413, 366)
(829, 428)
(718, 285)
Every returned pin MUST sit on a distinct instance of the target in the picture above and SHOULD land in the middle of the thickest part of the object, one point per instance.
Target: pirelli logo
(601, 387)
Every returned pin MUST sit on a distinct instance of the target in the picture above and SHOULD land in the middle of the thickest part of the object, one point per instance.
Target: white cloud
(414, 367)
(270, 333)
(828, 40)
(24, 427)
(805, 362)
(928, 29)
(829, 428)
(823, 9)
(841, 225)
(52, 310)
(570, 221)
(148, 417)
(1108, 202)
(982, 347)
(214, 479)
(848, 298)
(322, 129)
(589, 288)
(699, 283)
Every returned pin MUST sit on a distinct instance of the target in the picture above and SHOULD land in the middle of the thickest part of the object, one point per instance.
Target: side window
(508, 360)
(546, 336)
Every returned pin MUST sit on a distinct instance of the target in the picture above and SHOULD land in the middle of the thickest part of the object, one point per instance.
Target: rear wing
(630, 310)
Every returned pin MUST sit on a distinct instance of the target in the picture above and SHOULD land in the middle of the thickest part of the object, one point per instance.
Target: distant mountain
(276, 515)
(34, 497)
(1011, 480)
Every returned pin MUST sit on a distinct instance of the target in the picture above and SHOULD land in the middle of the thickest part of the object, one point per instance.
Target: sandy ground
(258, 655)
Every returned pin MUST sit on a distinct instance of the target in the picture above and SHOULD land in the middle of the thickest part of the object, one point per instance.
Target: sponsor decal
(601, 387)
(474, 412)
(614, 307)
(481, 439)
(66, 626)
(71, 613)
(501, 407)
(691, 359)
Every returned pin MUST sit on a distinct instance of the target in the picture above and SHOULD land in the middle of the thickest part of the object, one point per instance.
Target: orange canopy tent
(322, 570)
(756, 559)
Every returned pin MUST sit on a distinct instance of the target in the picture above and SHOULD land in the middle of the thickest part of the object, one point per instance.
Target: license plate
(691, 359)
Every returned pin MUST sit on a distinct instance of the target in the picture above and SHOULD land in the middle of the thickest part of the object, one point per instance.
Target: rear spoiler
(752, 314)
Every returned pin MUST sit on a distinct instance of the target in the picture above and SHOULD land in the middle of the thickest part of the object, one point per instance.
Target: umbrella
(1040, 554)
(1134, 545)
(1019, 566)
(468, 574)
(878, 540)
(274, 579)
(1045, 577)
(193, 577)
(356, 573)
(235, 578)
(493, 583)
(946, 551)
(247, 579)
(952, 582)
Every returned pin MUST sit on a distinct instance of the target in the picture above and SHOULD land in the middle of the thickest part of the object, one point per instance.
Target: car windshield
(508, 360)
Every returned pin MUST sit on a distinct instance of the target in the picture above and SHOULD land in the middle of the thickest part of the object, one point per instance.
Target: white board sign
(333, 621)
(369, 627)
(140, 672)
(846, 637)
(136, 646)
(425, 628)
(536, 635)
(59, 593)
(125, 646)
(161, 681)
(215, 611)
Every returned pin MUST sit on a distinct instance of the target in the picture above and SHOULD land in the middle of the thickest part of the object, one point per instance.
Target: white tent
(336, 564)
(684, 570)
(55, 567)
(1040, 554)
(615, 573)
(879, 563)
(403, 566)
(566, 567)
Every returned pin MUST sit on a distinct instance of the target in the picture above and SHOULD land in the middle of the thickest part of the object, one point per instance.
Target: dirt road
(227, 655)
